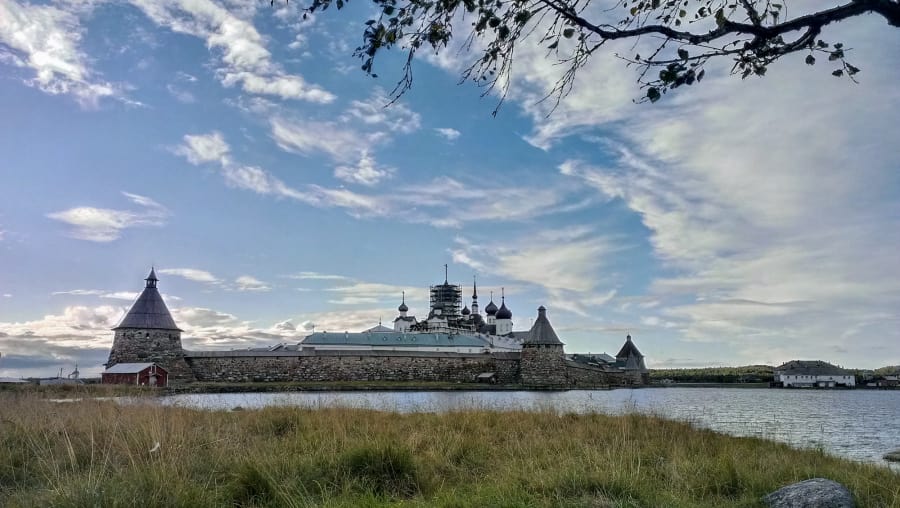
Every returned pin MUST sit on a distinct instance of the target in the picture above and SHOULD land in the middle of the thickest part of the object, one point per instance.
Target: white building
(813, 374)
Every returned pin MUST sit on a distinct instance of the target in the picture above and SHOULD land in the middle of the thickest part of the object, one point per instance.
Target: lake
(859, 424)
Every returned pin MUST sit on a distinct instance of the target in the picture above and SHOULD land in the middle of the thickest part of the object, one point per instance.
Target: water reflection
(862, 425)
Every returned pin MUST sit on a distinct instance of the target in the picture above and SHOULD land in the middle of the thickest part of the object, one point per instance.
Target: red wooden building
(141, 374)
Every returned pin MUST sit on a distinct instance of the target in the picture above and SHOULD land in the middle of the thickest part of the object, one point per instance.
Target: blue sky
(240, 150)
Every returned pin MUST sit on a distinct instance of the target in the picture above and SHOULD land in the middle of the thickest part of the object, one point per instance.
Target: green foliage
(385, 470)
(681, 35)
(745, 374)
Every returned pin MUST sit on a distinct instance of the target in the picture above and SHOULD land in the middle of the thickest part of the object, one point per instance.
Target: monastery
(453, 343)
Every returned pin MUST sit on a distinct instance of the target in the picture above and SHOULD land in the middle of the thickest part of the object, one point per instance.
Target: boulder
(814, 493)
(893, 456)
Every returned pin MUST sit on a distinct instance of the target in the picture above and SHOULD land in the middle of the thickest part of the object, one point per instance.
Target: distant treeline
(745, 374)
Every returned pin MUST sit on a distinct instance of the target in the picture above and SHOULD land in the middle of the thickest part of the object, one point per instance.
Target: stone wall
(321, 365)
(586, 376)
(162, 347)
(543, 365)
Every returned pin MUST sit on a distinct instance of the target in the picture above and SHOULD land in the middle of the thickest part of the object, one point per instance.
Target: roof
(149, 310)
(380, 329)
(628, 349)
(810, 368)
(394, 339)
(491, 308)
(542, 331)
(129, 368)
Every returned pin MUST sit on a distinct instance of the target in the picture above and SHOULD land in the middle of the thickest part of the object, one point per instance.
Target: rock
(814, 493)
(893, 456)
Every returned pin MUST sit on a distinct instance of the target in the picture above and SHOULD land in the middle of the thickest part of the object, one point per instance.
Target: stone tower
(543, 359)
(631, 361)
(147, 334)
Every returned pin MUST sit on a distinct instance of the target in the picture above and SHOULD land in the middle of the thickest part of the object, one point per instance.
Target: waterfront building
(812, 374)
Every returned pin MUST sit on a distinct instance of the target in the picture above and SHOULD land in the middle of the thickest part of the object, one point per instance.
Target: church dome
(466, 311)
(403, 307)
(491, 308)
(503, 312)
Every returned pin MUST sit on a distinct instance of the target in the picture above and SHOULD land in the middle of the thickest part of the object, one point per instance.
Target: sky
(239, 149)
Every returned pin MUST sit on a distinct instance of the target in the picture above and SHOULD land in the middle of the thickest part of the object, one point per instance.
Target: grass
(97, 453)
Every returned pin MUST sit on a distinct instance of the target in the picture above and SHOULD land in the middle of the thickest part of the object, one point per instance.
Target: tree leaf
(653, 94)
(683, 54)
(568, 33)
(838, 73)
(810, 60)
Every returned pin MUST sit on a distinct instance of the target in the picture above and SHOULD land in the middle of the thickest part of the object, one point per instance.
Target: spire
(151, 279)
(446, 277)
(403, 307)
(503, 312)
(474, 289)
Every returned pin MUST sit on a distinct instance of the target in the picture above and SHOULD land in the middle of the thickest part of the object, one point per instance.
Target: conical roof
(628, 349)
(149, 311)
(542, 331)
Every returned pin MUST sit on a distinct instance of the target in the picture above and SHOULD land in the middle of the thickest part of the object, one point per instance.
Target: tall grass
(97, 453)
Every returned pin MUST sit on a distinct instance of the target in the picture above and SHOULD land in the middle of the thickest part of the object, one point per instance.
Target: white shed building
(813, 374)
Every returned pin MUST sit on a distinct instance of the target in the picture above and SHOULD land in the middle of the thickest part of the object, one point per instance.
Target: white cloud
(567, 263)
(338, 142)
(203, 148)
(45, 39)
(448, 133)
(244, 59)
(248, 283)
(365, 172)
(316, 276)
(180, 94)
(105, 224)
(377, 111)
(192, 274)
(115, 295)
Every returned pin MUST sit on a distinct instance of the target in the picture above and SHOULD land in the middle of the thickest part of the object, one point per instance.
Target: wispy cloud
(566, 263)
(248, 283)
(45, 39)
(106, 224)
(448, 133)
(316, 276)
(243, 58)
(116, 295)
(203, 148)
(192, 274)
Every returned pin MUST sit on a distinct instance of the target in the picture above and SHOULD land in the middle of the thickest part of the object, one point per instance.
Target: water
(860, 424)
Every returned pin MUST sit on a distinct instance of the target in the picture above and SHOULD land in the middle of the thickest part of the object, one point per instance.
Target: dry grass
(95, 453)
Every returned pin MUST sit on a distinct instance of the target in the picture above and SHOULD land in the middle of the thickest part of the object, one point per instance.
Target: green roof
(388, 339)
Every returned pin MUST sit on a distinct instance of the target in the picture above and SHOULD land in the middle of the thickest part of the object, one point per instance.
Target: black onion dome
(491, 308)
(403, 307)
(503, 312)
(466, 311)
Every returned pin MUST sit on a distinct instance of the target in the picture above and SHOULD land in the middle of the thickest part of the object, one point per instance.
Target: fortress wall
(587, 376)
(244, 366)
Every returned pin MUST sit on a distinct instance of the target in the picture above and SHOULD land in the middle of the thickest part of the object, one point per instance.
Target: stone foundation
(162, 347)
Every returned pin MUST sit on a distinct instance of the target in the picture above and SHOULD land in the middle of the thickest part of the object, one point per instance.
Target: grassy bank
(99, 454)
